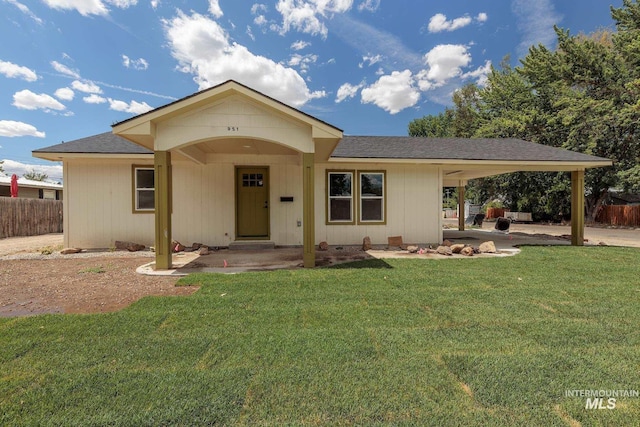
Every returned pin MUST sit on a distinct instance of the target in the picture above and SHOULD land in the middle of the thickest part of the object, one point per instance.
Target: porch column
(461, 207)
(308, 211)
(163, 197)
(577, 208)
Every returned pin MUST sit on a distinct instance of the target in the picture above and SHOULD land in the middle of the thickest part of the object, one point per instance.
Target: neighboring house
(230, 164)
(31, 189)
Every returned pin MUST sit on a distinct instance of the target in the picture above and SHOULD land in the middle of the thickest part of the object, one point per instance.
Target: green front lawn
(457, 342)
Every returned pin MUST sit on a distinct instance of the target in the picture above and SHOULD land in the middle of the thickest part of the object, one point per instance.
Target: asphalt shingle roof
(375, 147)
(404, 147)
(104, 143)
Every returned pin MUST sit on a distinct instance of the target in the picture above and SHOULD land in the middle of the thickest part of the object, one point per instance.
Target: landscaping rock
(129, 246)
(196, 246)
(412, 249)
(394, 241)
(447, 243)
(457, 248)
(366, 243)
(487, 248)
(444, 250)
(177, 246)
(204, 250)
(323, 246)
(467, 251)
(69, 251)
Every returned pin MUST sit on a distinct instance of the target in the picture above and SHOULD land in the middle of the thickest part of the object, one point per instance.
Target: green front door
(252, 203)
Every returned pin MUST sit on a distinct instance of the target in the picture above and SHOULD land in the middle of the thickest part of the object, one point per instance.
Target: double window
(143, 189)
(356, 194)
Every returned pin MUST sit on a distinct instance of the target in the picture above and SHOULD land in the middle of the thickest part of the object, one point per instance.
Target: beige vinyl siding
(204, 199)
(98, 205)
(413, 205)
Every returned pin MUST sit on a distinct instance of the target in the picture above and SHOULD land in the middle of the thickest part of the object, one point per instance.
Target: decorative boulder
(444, 250)
(323, 246)
(395, 241)
(204, 250)
(487, 248)
(467, 251)
(447, 243)
(457, 248)
(412, 249)
(177, 246)
(69, 251)
(366, 243)
(129, 246)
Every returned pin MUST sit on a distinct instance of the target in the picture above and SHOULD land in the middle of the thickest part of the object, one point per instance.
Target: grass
(402, 342)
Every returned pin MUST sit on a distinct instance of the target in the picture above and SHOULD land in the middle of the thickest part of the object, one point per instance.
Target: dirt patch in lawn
(77, 285)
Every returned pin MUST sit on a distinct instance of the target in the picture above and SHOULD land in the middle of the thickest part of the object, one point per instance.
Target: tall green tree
(1, 168)
(438, 126)
(582, 96)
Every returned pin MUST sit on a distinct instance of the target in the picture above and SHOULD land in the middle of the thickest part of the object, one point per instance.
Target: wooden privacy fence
(619, 215)
(29, 217)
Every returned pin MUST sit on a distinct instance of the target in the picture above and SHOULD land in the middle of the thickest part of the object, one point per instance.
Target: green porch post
(308, 211)
(461, 207)
(577, 208)
(163, 196)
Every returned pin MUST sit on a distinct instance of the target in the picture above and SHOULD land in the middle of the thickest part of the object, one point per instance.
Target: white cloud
(214, 9)
(52, 170)
(299, 45)
(370, 5)
(12, 70)
(89, 7)
(84, 7)
(87, 86)
(445, 61)
(10, 129)
(535, 20)
(65, 94)
(94, 99)
(27, 100)
(136, 64)
(63, 69)
(134, 107)
(155, 4)
(250, 33)
(439, 22)
(479, 74)
(302, 61)
(305, 16)
(347, 90)
(371, 59)
(482, 17)
(392, 93)
(24, 9)
(203, 49)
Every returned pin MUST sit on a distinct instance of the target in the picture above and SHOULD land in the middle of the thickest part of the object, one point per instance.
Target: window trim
(135, 189)
(383, 221)
(328, 197)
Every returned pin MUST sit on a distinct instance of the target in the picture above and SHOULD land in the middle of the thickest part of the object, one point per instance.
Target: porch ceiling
(244, 146)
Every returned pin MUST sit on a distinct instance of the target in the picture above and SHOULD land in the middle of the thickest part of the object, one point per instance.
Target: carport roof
(462, 149)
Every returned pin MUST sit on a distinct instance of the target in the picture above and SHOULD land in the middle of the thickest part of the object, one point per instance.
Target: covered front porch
(240, 163)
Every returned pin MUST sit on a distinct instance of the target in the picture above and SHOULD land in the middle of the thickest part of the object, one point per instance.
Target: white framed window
(371, 193)
(143, 189)
(340, 197)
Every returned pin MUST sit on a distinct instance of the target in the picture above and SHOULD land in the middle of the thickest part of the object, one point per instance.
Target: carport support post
(163, 196)
(308, 211)
(577, 208)
(461, 207)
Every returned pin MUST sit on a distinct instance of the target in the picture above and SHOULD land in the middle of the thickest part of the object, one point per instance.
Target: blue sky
(71, 68)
